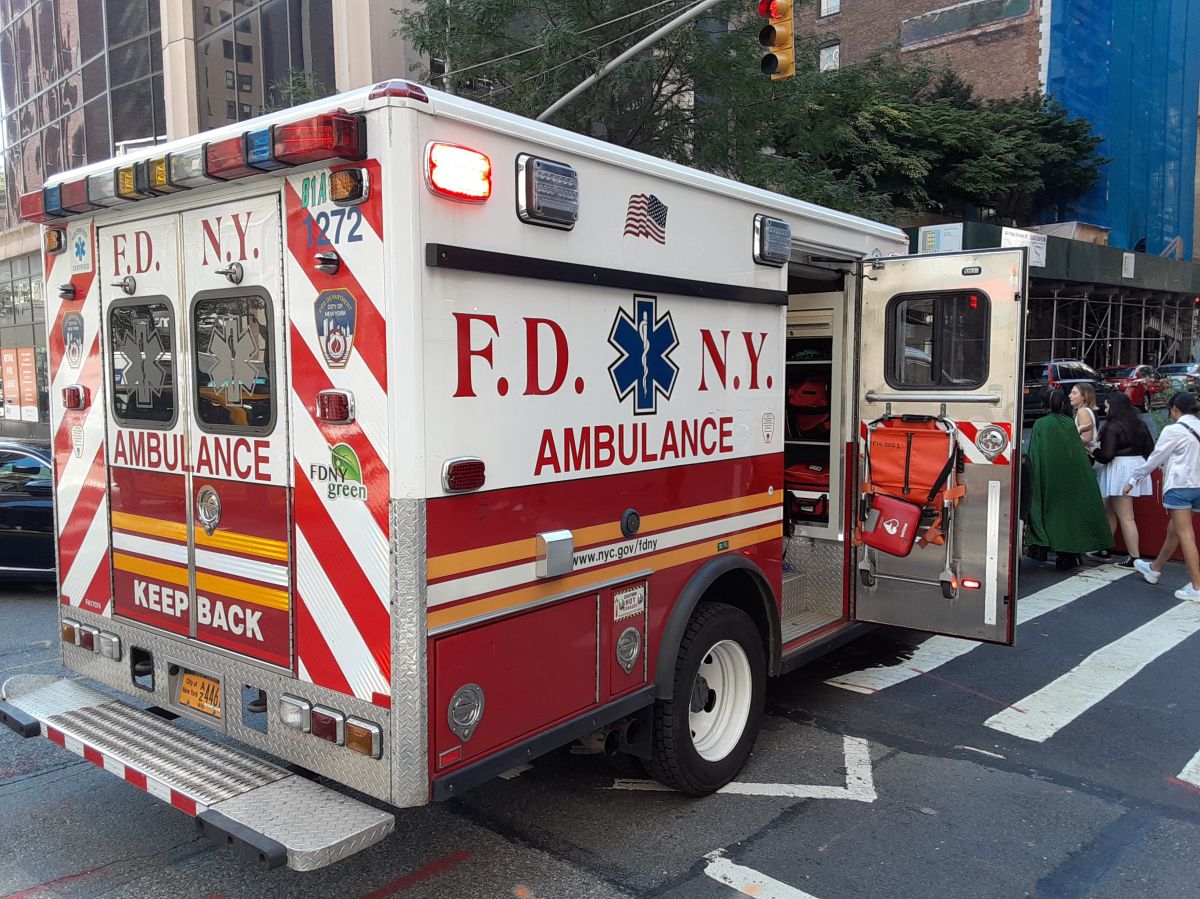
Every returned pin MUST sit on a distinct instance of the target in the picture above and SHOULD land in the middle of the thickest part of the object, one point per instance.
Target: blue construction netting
(1133, 70)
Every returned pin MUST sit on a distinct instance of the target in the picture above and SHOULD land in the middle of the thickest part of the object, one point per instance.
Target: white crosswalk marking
(1191, 771)
(749, 882)
(1042, 714)
(937, 651)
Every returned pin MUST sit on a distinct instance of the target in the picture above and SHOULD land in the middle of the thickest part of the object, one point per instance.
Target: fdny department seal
(337, 312)
(72, 334)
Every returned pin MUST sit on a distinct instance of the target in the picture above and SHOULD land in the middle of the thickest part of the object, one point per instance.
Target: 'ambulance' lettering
(232, 619)
(602, 446)
(233, 457)
(156, 598)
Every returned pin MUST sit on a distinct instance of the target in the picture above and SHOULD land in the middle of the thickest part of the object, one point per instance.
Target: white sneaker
(1148, 573)
(1188, 592)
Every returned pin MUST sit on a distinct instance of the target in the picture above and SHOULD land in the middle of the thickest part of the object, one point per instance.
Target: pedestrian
(1125, 442)
(1066, 513)
(1177, 452)
(1083, 402)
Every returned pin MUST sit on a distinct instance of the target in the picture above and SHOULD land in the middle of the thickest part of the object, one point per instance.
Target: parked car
(1181, 376)
(1141, 383)
(26, 511)
(1059, 374)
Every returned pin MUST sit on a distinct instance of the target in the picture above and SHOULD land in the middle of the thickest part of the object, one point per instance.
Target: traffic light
(778, 39)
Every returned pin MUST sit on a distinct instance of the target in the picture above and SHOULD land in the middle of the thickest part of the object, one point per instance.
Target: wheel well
(735, 581)
(741, 589)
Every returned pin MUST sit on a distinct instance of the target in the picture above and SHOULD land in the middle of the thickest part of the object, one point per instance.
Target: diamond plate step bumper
(236, 798)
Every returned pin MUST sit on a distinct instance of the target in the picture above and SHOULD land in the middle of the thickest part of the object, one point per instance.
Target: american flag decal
(646, 217)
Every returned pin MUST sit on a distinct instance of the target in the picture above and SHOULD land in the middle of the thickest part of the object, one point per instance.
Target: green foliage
(882, 139)
(297, 86)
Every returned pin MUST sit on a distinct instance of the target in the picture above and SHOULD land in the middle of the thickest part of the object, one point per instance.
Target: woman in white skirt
(1125, 442)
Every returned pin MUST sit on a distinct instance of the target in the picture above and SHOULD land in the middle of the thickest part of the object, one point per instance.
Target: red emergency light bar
(32, 207)
(226, 159)
(75, 197)
(330, 136)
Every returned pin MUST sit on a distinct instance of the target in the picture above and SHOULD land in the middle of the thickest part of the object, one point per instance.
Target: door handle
(874, 396)
(208, 508)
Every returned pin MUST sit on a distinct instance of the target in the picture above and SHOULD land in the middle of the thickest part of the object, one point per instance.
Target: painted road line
(747, 881)
(1044, 713)
(1191, 771)
(860, 783)
(937, 651)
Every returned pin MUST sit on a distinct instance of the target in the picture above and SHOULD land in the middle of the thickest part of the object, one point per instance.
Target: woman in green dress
(1066, 513)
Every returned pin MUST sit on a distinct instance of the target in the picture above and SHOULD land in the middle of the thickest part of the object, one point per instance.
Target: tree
(296, 87)
(882, 139)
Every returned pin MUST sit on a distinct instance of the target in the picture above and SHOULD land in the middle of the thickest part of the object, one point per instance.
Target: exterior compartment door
(941, 337)
(235, 327)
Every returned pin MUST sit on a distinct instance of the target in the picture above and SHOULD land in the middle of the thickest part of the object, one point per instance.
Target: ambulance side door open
(940, 340)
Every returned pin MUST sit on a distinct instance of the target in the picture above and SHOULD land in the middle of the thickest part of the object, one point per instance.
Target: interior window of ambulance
(142, 342)
(938, 341)
(235, 391)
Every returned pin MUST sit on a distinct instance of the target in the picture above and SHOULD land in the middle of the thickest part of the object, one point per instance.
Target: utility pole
(637, 48)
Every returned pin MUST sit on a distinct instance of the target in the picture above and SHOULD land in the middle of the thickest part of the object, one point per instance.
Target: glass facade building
(251, 55)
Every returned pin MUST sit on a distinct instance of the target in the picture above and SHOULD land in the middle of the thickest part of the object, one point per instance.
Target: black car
(26, 511)
(1059, 374)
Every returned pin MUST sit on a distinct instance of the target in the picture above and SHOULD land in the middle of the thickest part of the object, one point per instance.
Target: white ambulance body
(405, 440)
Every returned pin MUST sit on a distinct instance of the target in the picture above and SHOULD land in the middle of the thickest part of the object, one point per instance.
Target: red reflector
(226, 159)
(971, 583)
(450, 756)
(458, 172)
(32, 207)
(330, 136)
(87, 639)
(463, 474)
(335, 407)
(74, 197)
(75, 397)
(398, 89)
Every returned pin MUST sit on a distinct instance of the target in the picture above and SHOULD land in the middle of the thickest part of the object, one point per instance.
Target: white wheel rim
(720, 701)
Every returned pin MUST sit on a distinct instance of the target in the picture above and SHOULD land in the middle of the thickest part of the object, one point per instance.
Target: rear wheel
(704, 733)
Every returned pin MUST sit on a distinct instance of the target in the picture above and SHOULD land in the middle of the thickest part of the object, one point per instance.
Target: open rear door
(941, 342)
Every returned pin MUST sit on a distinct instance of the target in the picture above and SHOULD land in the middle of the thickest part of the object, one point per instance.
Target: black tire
(674, 760)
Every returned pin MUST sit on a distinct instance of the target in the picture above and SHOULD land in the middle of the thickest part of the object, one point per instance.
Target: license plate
(201, 693)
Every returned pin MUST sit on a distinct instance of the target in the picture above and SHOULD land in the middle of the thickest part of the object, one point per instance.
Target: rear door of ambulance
(194, 324)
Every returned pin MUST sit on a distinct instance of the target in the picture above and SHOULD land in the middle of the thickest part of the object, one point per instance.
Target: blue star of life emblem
(80, 248)
(645, 342)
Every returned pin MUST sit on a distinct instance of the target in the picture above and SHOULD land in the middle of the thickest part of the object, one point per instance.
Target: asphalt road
(1067, 766)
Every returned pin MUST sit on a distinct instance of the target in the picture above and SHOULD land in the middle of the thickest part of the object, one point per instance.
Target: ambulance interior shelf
(809, 408)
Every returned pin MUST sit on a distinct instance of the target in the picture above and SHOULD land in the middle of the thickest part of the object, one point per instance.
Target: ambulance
(399, 441)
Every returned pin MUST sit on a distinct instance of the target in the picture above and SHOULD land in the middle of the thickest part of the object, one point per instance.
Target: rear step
(236, 798)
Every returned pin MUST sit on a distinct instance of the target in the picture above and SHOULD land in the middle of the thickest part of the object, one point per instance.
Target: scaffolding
(1106, 326)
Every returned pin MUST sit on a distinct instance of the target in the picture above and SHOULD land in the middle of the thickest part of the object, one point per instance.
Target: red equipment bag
(912, 461)
(891, 525)
(808, 407)
(809, 476)
(805, 509)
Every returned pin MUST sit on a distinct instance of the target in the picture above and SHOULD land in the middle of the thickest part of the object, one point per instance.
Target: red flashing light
(32, 207)
(330, 136)
(464, 474)
(335, 407)
(768, 9)
(226, 159)
(974, 301)
(459, 173)
(75, 397)
(970, 583)
(75, 197)
(402, 89)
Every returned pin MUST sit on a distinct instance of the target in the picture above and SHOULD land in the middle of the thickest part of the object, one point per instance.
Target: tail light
(328, 724)
(69, 630)
(459, 173)
(363, 737)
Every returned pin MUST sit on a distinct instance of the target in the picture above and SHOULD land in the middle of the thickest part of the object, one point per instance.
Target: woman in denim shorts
(1178, 453)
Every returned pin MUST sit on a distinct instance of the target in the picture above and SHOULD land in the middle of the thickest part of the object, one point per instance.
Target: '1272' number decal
(331, 225)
